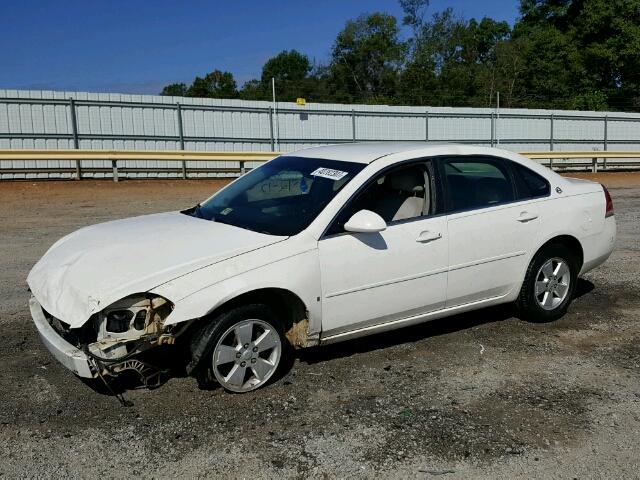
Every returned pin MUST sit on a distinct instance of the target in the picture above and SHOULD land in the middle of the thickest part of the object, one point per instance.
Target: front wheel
(549, 284)
(245, 347)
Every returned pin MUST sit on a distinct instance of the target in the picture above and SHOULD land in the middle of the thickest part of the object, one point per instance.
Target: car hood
(95, 266)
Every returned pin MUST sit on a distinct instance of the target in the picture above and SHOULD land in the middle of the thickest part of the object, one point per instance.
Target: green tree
(607, 34)
(287, 66)
(582, 54)
(582, 51)
(366, 58)
(254, 90)
(414, 13)
(505, 74)
(291, 72)
(554, 69)
(174, 90)
(453, 61)
(553, 13)
(216, 84)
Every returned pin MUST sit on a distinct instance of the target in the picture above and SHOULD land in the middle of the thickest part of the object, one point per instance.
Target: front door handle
(428, 236)
(527, 217)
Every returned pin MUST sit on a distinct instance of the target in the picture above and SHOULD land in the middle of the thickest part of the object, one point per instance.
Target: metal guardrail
(114, 156)
(608, 159)
(182, 158)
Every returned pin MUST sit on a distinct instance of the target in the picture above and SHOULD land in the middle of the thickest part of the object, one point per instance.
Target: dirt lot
(482, 395)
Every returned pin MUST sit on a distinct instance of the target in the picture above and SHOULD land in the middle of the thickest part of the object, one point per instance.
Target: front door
(374, 278)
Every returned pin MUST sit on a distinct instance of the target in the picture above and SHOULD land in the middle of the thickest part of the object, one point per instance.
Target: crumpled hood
(95, 266)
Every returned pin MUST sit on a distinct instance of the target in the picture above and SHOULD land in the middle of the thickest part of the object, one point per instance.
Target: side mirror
(365, 221)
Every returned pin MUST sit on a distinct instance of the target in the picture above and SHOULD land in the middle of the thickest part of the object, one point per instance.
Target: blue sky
(138, 46)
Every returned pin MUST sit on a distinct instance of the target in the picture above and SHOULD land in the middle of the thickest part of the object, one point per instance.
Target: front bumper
(68, 355)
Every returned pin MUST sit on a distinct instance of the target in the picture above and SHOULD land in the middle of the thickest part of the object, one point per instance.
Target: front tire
(549, 284)
(244, 349)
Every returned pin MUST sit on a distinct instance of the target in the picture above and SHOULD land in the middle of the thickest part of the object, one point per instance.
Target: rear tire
(549, 284)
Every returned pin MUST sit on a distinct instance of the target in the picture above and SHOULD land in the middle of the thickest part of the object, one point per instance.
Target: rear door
(491, 231)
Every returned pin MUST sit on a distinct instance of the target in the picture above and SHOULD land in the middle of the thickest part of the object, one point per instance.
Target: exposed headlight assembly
(127, 320)
(132, 316)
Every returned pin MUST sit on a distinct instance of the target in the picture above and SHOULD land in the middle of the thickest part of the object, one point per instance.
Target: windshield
(282, 197)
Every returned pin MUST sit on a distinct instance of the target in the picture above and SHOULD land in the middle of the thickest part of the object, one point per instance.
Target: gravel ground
(481, 395)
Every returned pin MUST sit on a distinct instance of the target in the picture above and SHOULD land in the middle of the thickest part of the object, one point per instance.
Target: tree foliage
(366, 59)
(577, 54)
(216, 84)
(175, 89)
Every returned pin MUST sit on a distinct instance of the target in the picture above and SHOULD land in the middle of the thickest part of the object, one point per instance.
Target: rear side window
(530, 184)
(476, 183)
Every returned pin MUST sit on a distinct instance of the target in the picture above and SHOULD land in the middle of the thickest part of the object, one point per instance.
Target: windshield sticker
(226, 211)
(328, 173)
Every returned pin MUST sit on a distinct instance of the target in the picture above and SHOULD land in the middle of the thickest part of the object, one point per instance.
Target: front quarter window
(281, 197)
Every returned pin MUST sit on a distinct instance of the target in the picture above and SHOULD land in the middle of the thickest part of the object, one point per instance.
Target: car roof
(369, 152)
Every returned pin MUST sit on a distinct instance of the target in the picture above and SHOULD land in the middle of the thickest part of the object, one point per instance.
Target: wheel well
(287, 306)
(572, 243)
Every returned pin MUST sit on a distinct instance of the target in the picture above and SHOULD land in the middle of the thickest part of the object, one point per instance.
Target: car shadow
(373, 240)
(434, 328)
(428, 329)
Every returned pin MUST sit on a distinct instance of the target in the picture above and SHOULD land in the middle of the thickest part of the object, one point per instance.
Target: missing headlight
(132, 317)
(118, 320)
(126, 329)
(141, 320)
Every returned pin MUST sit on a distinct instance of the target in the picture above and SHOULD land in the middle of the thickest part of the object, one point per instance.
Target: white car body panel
(351, 284)
(487, 262)
(71, 281)
(388, 275)
(290, 265)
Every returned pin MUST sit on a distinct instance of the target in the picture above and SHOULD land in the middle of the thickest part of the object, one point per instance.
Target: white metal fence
(85, 121)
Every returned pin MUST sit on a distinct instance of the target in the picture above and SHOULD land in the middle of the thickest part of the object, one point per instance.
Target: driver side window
(398, 194)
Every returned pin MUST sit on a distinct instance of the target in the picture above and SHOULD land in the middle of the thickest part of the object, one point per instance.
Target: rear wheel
(549, 284)
(245, 347)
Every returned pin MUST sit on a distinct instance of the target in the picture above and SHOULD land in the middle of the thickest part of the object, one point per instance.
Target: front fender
(299, 273)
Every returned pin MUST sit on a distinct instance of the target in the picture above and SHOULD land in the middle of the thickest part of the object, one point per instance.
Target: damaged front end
(114, 340)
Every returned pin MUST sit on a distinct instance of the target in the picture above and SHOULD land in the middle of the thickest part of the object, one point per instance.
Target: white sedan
(319, 246)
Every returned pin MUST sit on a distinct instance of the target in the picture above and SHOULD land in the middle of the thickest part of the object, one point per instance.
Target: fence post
(594, 165)
(551, 132)
(243, 168)
(181, 135)
(114, 167)
(426, 126)
(353, 124)
(74, 131)
(271, 129)
(492, 128)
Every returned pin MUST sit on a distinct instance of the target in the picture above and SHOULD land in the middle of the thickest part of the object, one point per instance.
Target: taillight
(608, 212)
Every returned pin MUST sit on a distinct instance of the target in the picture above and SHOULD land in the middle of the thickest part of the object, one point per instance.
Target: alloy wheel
(552, 283)
(247, 355)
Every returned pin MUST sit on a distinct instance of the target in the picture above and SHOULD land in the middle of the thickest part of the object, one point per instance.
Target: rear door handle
(428, 236)
(527, 217)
